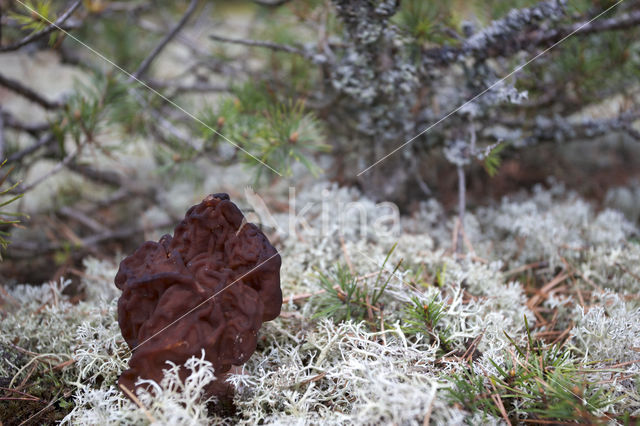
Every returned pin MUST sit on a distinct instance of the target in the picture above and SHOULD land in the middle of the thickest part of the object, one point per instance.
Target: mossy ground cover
(525, 327)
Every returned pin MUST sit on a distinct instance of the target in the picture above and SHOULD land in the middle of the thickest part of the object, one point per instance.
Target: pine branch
(198, 87)
(260, 43)
(144, 66)
(33, 248)
(28, 93)
(82, 218)
(11, 122)
(51, 28)
(106, 177)
(45, 140)
(272, 3)
(617, 23)
(56, 169)
(544, 129)
(502, 39)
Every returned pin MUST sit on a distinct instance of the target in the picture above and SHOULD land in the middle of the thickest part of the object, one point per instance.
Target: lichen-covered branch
(519, 31)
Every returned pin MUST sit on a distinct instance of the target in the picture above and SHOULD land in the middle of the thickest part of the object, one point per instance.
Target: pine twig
(51, 28)
(259, 43)
(28, 93)
(299, 297)
(82, 218)
(56, 169)
(45, 140)
(617, 23)
(12, 122)
(140, 405)
(163, 43)
(197, 87)
(38, 248)
(271, 3)
(107, 177)
(505, 44)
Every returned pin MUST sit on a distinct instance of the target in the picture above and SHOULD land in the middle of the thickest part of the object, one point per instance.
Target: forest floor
(538, 320)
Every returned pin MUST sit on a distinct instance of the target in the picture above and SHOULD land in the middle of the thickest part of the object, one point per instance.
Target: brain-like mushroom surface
(210, 286)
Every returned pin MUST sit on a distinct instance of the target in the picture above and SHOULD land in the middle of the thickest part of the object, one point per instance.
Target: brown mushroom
(210, 286)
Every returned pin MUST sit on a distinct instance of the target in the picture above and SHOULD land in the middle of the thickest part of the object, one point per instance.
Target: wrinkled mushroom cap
(210, 286)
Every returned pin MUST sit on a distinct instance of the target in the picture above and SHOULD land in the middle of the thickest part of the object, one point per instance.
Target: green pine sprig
(7, 217)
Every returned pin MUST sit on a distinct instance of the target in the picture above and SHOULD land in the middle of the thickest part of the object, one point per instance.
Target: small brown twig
(625, 269)
(427, 417)
(137, 401)
(497, 399)
(23, 383)
(63, 364)
(303, 296)
(523, 268)
(384, 337)
(624, 364)
(346, 255)
(473, 347)
(369, 311)
(562, 335)
(543, 292)
(313, 379)
(25, 396)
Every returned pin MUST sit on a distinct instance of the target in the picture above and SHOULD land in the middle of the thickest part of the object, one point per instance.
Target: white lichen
(316, 371)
